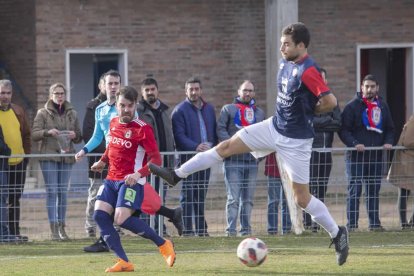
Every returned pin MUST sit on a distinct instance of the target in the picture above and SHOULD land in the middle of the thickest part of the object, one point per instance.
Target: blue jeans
(56, 176)
(240, 179)
(359, 173)
(193, 195)
(276, 197)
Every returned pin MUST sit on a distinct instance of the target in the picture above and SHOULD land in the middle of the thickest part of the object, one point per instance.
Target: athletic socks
(320, 214)
(201, 161)
(109, 234)
(139, 227)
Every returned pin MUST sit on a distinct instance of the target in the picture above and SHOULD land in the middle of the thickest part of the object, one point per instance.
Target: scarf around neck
(245, 115)
(372, 116)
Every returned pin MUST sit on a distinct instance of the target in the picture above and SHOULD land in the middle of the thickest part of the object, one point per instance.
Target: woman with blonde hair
(56, 128)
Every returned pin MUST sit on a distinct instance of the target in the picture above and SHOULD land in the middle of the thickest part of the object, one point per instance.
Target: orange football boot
(121, 266)
(167, 251)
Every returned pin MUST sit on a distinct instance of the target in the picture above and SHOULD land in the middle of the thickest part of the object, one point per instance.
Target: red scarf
(245, 116)
(373, 115)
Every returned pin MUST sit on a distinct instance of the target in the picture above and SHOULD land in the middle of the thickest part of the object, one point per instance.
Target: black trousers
(320, 170)
(17, 179)
(402, 207)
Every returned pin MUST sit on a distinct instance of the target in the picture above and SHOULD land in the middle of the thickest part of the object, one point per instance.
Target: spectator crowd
(192, 126)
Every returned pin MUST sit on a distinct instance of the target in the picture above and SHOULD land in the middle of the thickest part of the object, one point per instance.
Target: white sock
(200, 161)
(320, 214)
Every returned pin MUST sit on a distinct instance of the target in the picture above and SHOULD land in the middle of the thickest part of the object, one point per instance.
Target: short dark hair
(299, 33)
(149, 81)
(112, 73)
(370, 77)
(193, 80)
(323, 70)
(128, 92)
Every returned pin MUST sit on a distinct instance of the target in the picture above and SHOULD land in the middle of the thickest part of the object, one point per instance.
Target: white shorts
(263, 139)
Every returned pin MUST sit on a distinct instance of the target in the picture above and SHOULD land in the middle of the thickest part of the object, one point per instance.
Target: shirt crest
(128, 134)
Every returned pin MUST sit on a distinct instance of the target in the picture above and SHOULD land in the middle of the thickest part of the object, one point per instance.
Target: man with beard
(325, 126)
(194, 128)
(103, 115)
(366, 122)
(240, 170)
(157, 114)
(130, 143)
(301, 93)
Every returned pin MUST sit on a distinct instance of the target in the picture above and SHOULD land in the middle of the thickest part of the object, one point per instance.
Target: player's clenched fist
(132, 179)
(98, 166)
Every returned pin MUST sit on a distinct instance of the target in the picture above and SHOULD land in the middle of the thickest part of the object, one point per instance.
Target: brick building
(222, 41)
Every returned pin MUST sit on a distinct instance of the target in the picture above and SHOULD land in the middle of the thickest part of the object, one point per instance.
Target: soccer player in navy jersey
(301, 93)
(131, 143)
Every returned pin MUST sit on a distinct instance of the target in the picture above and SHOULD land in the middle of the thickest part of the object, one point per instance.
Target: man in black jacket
(325, 126)
(95, 178)
(366, 122)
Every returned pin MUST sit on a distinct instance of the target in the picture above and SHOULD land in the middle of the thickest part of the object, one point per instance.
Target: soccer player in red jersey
(131, 144)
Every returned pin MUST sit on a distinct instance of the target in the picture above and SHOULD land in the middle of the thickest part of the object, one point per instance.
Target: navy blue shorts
(116, 193)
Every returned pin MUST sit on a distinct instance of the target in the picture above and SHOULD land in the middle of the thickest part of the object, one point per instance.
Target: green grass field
(387, 253)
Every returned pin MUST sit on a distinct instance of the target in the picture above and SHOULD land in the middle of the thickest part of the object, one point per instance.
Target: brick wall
(220, 41)
(338, 26)
(223, 42)
(17, 49)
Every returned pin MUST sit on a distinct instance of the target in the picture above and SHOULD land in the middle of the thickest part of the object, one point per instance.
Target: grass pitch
(386, 253)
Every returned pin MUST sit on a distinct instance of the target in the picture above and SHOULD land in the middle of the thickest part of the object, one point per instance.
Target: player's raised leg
(201, 161)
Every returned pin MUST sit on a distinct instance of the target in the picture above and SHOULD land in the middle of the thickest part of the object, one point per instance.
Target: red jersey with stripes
(130, 147)
(300, 85)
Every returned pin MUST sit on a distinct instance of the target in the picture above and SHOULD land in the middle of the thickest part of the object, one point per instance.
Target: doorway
(393, 67)
(83, 69)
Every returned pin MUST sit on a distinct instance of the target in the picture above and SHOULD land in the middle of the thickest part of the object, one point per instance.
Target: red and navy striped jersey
(130, 146)
(299, 86)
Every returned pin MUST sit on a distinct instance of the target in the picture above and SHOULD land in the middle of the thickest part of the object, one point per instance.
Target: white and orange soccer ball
(252, 252)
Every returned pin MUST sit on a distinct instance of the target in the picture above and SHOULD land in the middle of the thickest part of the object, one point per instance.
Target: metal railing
(34, 219)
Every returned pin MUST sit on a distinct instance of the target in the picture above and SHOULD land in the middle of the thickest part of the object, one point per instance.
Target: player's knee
(223, 148)
(120, 217)
(101, 216)
(301, 202)
(302, 199)
(118, 220)
(301, 195)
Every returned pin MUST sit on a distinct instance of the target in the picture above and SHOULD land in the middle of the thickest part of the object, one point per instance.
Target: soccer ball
(252, 252)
